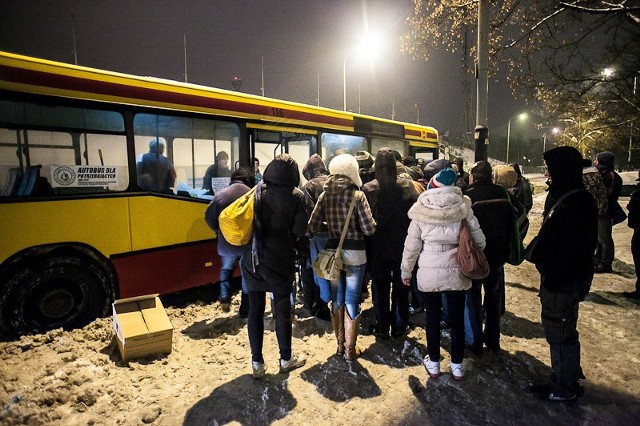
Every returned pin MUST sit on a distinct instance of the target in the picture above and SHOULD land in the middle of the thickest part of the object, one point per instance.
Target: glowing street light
(520, 117)
(368, 46)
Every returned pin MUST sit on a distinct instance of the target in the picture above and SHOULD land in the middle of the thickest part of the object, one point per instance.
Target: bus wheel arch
(55, 286)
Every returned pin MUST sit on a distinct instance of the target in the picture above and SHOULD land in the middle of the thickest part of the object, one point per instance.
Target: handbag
(328, 263)
(236, 220)
(473, 263)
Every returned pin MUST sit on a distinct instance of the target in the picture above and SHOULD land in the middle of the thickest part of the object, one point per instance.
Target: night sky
(226, 38)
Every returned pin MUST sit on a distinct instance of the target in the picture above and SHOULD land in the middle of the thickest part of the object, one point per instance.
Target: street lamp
(367, 47)
(522, 116)
(555, 131)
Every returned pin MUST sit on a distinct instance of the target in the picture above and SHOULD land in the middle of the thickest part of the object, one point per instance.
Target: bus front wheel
(52, 292)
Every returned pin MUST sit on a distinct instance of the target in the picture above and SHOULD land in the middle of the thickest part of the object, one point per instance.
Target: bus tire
(55, 291)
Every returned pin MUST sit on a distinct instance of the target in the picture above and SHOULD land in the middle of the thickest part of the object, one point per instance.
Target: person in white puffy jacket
(432, 241)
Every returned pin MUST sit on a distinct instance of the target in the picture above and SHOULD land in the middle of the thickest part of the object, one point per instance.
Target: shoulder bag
(471, 258)
(328, 264)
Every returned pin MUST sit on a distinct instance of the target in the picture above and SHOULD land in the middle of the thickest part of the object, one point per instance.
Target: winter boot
(337, 321)
(351, 351)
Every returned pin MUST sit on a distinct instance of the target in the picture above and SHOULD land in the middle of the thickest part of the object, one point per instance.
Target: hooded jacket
(433, 236)
(390, 197)
(281, 216)
(567, 239)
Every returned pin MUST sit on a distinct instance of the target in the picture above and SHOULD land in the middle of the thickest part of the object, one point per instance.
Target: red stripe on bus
(168, 270)
(39, 78)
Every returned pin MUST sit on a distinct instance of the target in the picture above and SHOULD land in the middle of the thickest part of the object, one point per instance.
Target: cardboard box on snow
(142, 327)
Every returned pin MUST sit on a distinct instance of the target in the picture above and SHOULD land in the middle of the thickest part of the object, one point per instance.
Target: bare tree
(554, 51)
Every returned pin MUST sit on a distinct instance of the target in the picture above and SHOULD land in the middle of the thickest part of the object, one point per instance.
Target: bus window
(192, 146)
(54, 161)
(333, 144)
(299, 150)
(395, 144)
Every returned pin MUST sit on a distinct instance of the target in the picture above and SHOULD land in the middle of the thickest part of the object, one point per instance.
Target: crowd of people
(402, 236)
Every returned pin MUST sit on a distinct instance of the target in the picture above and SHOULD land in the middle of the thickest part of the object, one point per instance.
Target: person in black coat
(280, 220)
(634, 223)
(390, 198)
(492, 206)
(605, 253)
(563, 255)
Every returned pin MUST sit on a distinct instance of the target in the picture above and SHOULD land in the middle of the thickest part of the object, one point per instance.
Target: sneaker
(432, 367)
(291, 364)
(457, 370)
(544, 393)
(259, 369)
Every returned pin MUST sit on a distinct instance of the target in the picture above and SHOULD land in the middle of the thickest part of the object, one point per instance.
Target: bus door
(267, 143)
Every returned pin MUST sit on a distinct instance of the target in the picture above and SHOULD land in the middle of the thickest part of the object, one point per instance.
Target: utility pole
(262, 76)
(73, 33)
(482, 71)
(184, 36)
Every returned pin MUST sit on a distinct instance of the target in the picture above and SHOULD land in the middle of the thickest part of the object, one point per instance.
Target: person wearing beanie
(605, 251)
(230, 255)
(332, 208)
(492, 207)
(280, 221)
(432, 241)
(390, 197)
(563, 255)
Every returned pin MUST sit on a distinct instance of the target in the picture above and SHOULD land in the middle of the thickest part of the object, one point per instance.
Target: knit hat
(346, 164)
(445, 177)
(240, 175)
(481, 171)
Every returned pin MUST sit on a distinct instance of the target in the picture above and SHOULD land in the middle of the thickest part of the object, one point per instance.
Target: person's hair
(154, 144)
(222, 155)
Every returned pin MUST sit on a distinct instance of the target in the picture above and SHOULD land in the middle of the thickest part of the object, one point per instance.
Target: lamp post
(520, 117)
(367, 46)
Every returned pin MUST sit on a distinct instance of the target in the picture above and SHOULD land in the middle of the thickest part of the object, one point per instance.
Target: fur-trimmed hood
(441, 205)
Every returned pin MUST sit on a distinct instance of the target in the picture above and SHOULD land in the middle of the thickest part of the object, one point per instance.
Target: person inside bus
(256, 170)
(218, 169)
(155, 171)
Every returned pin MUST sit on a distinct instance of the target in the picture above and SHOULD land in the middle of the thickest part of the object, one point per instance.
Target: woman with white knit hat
(432, 241)
(329, 214)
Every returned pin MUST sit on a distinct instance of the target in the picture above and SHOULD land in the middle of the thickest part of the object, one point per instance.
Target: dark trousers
(560, 319)
(492, 306)
(388, 288)
(433, 306)
(282, 304)
(635, 252)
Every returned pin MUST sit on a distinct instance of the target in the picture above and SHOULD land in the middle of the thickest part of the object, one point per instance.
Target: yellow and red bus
(79, 226)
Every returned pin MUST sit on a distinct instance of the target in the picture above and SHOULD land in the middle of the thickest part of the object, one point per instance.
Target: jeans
(229, 263)
(455, 303)
(316, 244)
(282, 304)
(559, 319)
(492, 305)
(471, 331)
(346, 289)
(606, 249)
(387, 282)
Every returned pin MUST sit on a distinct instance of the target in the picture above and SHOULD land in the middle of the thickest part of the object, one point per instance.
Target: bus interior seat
(13, 182)
(29, 180)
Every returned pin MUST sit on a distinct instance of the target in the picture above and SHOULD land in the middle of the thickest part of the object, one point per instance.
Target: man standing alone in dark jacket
(492, 207)
(563, 254)
(605, 162)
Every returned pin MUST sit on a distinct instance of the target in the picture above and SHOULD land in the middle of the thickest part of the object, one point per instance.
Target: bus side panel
(158, 221)
(102, 223)
(168, 270)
